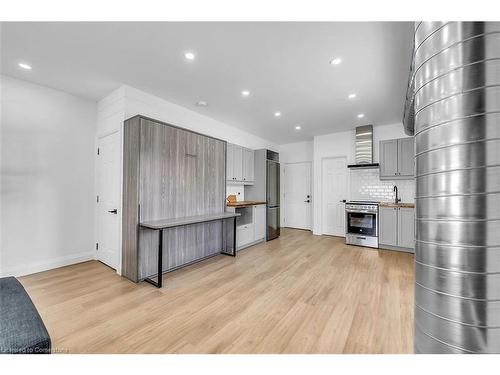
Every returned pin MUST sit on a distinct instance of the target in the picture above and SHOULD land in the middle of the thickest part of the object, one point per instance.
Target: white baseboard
(29, 268)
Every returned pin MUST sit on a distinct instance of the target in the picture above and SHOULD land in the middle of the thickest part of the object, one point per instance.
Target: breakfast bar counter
(162, 224)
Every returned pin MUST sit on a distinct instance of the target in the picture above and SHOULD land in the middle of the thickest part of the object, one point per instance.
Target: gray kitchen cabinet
(248, 162)
(388, 223)
(397, 228)
(406, 227)
(389, 158)
(397, 159)
(406, 157)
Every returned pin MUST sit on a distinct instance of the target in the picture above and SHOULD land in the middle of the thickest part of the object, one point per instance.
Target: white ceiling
(284, 65)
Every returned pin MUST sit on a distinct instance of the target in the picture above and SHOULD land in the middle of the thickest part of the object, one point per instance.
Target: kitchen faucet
(396, 198)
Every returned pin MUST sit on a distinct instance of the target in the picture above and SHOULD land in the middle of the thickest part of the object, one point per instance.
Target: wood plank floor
(297, 294)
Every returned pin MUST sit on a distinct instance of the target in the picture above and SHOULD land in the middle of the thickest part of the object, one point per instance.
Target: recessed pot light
(245, 93)
(24, 66)
(189, 55)
(361, 115)
(351, 96)
(202, 103)
(298, 127)
(336, 61)
(277, 114)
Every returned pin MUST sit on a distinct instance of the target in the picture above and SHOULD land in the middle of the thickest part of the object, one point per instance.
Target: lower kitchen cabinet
(406, 227)
(250, 226)
(259, 214)
(397, 228)
(387, 226)
(244, 235)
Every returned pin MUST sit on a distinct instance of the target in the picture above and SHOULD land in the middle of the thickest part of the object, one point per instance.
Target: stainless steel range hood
(364, 148)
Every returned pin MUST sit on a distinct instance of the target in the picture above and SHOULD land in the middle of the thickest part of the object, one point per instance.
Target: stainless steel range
(362, 223)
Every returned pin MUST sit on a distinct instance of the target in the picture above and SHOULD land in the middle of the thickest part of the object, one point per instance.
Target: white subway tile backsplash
(237, 190)
(366, 185)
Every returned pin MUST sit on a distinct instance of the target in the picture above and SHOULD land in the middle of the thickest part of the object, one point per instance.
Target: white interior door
(298, 200)
(108, 191)
(334, 190)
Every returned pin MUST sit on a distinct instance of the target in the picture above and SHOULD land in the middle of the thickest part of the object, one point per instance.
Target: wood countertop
(391, 204)
(245, 203)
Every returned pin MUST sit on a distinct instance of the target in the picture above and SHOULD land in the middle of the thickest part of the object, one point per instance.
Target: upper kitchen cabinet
(234, 163)
(406, 157)
(389, 158)
(229, 162)
(248, 165)
(397, 159)
(240, 164)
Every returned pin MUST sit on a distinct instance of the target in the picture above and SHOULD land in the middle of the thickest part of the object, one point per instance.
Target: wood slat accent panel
(181, 174)
(130, 213)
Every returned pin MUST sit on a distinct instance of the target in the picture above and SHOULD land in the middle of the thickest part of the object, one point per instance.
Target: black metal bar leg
(160, 256)
(160, 260)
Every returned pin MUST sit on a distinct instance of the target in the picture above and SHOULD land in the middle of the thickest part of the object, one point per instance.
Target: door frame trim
(99, 137)
(311, 187)
(348, 187)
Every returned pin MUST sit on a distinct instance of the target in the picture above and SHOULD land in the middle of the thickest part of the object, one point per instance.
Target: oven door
(362, 223)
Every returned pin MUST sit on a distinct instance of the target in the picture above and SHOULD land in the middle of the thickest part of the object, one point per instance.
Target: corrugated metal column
(456, 90)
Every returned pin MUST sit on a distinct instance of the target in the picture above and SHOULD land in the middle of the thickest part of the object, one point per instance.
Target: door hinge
(97, 245)
(97, 199)
(97, 150)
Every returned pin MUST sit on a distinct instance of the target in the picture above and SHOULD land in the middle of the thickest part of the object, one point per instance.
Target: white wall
(296, 152)
(47, 178)
(140, 103)
(342, 144)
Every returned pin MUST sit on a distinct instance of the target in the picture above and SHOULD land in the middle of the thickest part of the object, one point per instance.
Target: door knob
(115, 211)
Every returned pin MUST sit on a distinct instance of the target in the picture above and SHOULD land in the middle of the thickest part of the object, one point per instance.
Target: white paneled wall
(365, 185)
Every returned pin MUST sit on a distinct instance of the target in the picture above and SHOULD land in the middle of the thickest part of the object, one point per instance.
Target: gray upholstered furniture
(21, 327)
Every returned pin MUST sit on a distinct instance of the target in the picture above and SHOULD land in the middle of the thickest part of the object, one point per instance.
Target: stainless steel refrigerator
(272, 195)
